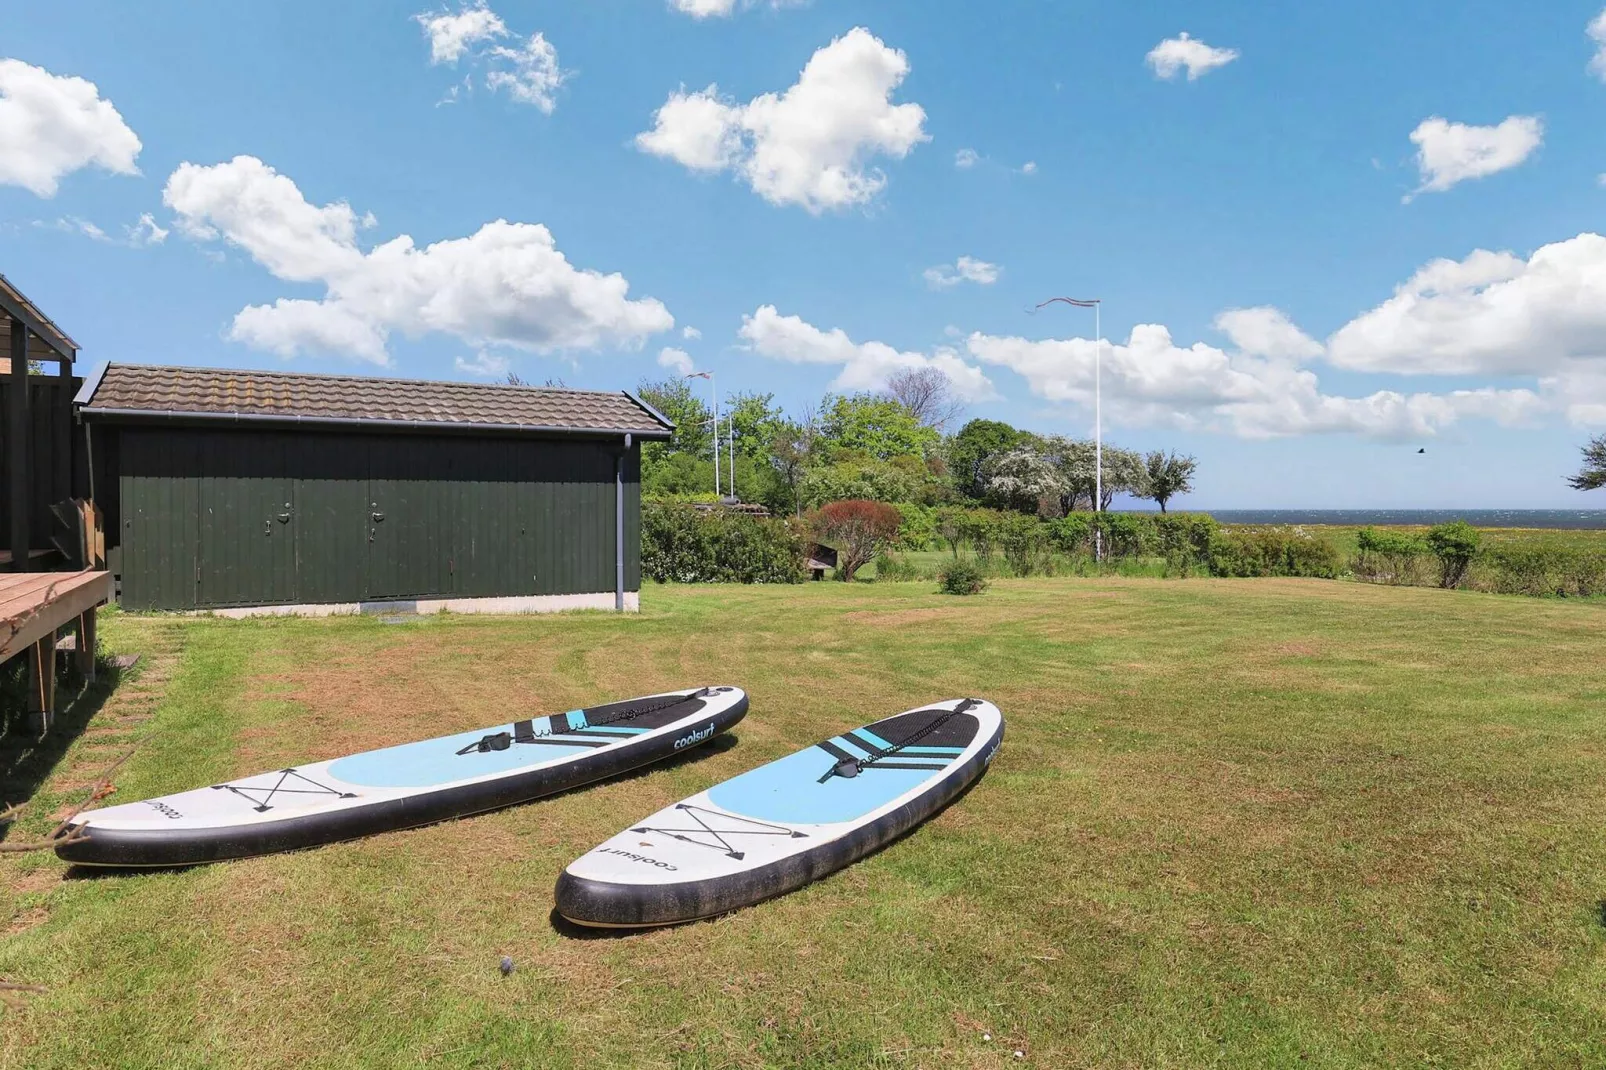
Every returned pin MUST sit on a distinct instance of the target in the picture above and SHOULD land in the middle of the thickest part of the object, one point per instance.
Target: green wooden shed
(244, 491)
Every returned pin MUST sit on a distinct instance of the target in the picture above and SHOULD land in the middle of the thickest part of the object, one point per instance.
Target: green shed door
(247, 516)
(331, 517)
(158, 493)
(412, 513)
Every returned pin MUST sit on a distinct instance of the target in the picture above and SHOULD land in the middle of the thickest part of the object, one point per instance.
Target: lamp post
(1097, 305)
(710, 377)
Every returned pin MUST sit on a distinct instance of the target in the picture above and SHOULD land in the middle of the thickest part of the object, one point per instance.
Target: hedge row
(681, 544)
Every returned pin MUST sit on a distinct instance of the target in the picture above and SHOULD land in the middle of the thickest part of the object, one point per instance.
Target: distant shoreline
(1585, 519)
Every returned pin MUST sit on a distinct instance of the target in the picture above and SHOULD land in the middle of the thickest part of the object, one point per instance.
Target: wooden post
(42, 682)
(63, 432)
(84, 656)
(20, 461)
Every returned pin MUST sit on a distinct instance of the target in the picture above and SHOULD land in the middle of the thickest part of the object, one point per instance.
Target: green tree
(755, 419)
(1022, 478)
(874, 424)
(853, 474)
(970, 450)
(1168, 474)
(1593, 475)
(692, 419)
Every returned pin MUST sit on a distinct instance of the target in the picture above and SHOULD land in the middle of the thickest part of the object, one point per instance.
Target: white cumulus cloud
(531, 74)
(1174, 55)
(488, 365)
(1267, 332)
(965, 159)
(505, 284)
(691, 332)
(1150, 380)
(146, 231)
(52, 125)
(705, 9)
(809, 146)
(1448, 153)
(452, 33)
(864, 365)
(965, 269)
(527, 71)
(677, 360)
(1597, 34)
(1496, 314)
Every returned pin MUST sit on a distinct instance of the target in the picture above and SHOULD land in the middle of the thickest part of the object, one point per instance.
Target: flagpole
(714, 388)
(1097, 305)
(1098, 428)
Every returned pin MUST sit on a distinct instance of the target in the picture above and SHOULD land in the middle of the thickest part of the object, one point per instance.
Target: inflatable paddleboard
(403, 786)
(776, 828)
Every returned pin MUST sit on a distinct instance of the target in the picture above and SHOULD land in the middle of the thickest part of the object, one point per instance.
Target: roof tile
(222, 392)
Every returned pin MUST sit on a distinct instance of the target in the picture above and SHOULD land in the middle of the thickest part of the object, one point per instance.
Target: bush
(857, 529)
(1390, 556)
(680, 544)
(917, 528)
(961, 577)
(1272, 551)
(1543, 570)
(981, 528)
(1024, 541)
(1455, 545)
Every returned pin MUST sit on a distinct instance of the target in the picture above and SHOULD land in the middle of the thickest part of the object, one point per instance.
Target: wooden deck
(33, 606)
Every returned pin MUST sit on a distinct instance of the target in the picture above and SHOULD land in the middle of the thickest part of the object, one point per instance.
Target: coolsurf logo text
(643, 859)
(696, 737)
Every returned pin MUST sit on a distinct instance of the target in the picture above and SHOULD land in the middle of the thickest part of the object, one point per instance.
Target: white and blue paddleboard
(403, 786)
(782, 825)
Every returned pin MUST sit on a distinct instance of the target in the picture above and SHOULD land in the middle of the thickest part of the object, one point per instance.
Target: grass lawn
(1233, 823)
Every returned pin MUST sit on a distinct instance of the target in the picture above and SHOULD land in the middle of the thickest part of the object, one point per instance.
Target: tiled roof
(224, 394)
(38, 348)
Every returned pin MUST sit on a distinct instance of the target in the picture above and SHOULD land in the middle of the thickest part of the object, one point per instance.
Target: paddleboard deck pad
(403, 786)
(778, 827)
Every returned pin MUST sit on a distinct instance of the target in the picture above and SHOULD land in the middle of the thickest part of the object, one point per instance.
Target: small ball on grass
(507, 965)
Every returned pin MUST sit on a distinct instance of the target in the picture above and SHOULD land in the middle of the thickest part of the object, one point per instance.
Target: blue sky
(1298, 291)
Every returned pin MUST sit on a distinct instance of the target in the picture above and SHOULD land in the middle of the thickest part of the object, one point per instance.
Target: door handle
(284, 518)
(378, 517)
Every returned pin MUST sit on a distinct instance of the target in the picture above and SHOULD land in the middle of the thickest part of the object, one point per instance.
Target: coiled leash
(575, 720)
(850, 767)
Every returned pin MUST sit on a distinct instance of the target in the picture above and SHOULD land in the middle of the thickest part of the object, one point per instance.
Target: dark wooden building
(39, 465)
(227, 489)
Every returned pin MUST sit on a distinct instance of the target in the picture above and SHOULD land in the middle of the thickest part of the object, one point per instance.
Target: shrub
(1455, 545)
(1024, 541)
(1541, 569)
(980, 528)
(1272, 551)
(857, 529)
(917, 528)
(961, 577)
(1184, 540)
(680, 544)
(951, 528)
(1389, 556)
(1072, 533)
